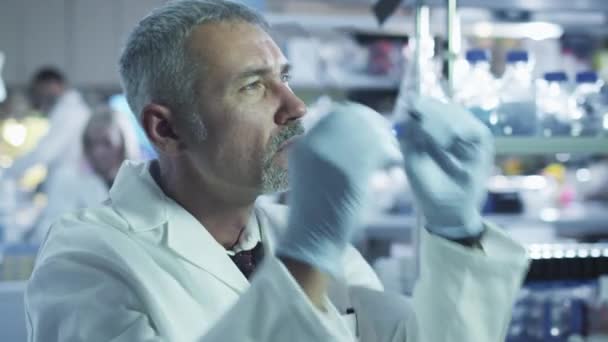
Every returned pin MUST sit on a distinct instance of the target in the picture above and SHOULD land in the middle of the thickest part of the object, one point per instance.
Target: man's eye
(285, 78)
(252, 86)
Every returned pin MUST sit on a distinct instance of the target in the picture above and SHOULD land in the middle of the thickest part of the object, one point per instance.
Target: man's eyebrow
(261, 71)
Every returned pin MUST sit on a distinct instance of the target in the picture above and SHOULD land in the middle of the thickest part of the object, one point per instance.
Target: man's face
(45, 94)
(248, 110)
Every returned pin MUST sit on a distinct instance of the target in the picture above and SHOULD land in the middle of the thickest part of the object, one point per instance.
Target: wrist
(322, 256)
(313, 281)
(472, 241)
(467, 228)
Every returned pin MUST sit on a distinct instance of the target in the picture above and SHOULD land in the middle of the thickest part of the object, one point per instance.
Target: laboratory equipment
(477, 88)
(421, 75)
(562, 294)
(590, 111)
(554, 104)
(517, 109)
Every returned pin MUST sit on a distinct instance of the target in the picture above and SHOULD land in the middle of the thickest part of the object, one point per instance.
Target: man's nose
(291, 107)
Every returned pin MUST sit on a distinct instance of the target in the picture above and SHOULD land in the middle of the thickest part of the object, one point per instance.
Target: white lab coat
(62, 143)
(141, 268)
(75, 185)
(68, 189)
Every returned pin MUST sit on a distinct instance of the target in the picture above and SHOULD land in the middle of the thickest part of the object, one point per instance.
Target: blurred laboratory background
(534, 72)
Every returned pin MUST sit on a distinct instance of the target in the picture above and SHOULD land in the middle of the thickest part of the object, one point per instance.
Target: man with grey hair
(176, 252)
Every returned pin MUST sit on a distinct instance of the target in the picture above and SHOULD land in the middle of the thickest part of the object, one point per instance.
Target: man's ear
(158, 122)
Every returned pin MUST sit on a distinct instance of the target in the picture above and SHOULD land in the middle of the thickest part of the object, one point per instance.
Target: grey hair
(155, 64)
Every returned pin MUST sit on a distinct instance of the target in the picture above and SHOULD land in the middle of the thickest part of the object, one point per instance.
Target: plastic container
(589, 114)
(423, 79)
(554, 105)
(477, 89)
(516, 114)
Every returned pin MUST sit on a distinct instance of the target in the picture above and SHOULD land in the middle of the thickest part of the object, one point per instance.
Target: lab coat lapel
(138, 198)
(188, 238)
(272, 221)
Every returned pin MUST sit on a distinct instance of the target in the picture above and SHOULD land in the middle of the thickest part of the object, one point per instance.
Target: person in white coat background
(181, 251)
(108, 140)
(67, 113)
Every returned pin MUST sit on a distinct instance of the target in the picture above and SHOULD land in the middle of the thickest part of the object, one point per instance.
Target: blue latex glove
(448, 157)
(329, 174)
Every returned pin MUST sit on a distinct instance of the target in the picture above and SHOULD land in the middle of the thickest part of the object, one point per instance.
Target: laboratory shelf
(399, 227)
(541, 145)
(576, 222)
(532, 5)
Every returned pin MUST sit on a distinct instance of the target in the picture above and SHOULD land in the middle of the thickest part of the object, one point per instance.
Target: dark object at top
(517, 56)
(476, 55)
(586, 77)
(557, 76)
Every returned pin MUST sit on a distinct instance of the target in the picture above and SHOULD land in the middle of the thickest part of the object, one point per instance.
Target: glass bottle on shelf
(516, 114)
(477, 89)
(589, 114)
(554, 104)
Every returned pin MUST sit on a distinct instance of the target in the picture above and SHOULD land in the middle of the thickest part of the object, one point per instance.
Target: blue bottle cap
(586, 77)
(517, 56)
(476, 55)
(556, 76)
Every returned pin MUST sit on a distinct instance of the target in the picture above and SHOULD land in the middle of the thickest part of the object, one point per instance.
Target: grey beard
(275, 178)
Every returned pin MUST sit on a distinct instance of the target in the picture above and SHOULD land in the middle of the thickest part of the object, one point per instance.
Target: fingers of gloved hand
(329, 202)
(419, 145)
(446, 121)
(464, 150)
(353, 136)
(325, 207)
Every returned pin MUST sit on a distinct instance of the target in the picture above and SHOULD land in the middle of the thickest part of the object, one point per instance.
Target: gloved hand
(329, 174)
(448, 156)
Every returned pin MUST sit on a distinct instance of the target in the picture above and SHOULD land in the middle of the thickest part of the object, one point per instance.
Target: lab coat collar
(138, 199)
(272, 220)
(268, 239)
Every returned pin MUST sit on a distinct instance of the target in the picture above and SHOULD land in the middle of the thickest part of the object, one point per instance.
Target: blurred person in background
(107, 141)
(67, 113)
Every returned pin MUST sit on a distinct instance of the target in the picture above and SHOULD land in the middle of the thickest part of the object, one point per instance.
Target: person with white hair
(108, 140)
(182, 251)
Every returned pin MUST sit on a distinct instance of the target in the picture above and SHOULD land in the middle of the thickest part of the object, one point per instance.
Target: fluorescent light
(542, 30)
(549, 214)
(536, 30)
(562, 157)
(583, 175)
(483, 29)
(14, 133)
(534, 182)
